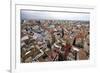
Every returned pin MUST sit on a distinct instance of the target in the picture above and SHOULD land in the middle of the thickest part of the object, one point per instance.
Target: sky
(38, 15)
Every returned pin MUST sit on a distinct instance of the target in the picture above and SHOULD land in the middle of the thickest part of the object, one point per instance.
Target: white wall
(5, 34)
